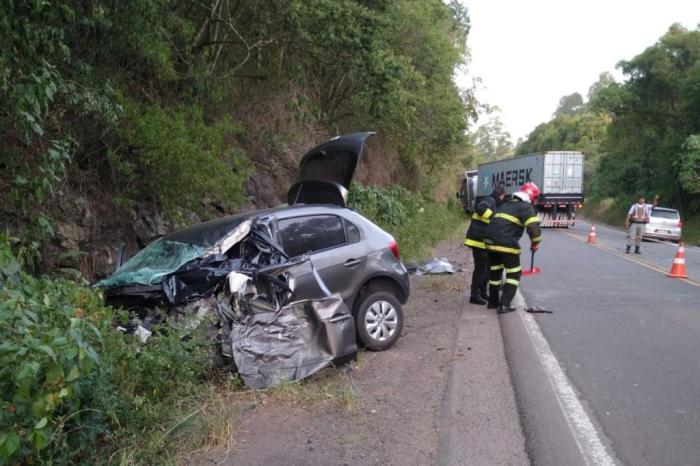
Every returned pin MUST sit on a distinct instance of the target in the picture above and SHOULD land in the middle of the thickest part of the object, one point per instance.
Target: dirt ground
(442, 395)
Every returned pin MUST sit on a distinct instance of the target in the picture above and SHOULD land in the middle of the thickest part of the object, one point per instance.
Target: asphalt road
(627, 337)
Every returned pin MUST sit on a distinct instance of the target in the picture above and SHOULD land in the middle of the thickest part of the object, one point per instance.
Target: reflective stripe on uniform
(474, 244)
(534, 240)
(493, 247)
(512, 281)
(496, 267)
(494, 282)
(487, 213)
(514, 269)
(510, 218)
(481, 218)
(532, 220)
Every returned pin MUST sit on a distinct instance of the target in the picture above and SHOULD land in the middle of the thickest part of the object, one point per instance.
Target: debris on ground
(538, 310)
(434, 266)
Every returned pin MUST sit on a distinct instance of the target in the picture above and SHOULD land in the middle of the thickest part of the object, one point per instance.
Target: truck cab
(467, 190)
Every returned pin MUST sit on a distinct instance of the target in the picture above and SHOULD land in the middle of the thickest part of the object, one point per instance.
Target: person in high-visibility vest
(636, 220)
(514, 216)
(484, 210)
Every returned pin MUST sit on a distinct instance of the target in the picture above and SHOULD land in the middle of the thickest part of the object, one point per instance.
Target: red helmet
(531, 190)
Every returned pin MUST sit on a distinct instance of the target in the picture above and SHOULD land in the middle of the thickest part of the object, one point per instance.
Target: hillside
(124, 122)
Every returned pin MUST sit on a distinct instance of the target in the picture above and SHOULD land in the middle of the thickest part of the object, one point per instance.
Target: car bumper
(662, 233)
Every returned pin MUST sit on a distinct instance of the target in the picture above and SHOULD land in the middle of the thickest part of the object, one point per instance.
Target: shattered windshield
(152, 263)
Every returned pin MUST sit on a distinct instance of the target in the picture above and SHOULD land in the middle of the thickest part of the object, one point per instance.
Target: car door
(334, 246)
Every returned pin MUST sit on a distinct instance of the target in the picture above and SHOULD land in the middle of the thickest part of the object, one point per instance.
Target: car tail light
(680, 225)
(394, 246)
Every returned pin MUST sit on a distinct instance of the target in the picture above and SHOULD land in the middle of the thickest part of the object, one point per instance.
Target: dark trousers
(500, 262)
(480, 275)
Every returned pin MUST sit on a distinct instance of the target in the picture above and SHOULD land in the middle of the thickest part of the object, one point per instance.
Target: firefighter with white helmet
(503, 243)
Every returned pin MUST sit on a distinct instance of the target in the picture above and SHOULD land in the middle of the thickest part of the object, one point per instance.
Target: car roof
(207, 234)
(666, 209)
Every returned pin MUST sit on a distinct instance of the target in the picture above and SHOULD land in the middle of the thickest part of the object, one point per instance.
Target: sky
(530, 53)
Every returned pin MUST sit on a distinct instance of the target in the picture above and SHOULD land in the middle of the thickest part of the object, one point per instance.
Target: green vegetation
(169, 101)
(76, 390)
(417, 223)
(641, 136)
(177, 149)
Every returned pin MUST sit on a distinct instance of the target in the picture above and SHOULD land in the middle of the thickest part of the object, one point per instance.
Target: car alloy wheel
(379, 320)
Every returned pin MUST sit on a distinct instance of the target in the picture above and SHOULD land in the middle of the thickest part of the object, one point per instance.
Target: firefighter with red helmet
(503, 243)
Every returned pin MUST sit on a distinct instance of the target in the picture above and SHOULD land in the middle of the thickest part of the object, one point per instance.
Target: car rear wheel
(379, 320)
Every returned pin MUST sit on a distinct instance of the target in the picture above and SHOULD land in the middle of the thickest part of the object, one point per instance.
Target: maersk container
(558, 174)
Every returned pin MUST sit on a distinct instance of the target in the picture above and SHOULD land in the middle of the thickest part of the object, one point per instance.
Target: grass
(440, 283)
(206, 423)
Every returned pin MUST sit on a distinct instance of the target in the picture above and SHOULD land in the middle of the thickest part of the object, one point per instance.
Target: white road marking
(583, 430)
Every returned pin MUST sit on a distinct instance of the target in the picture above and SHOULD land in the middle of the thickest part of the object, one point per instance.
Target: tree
(605, 82)
(655, 114)
(490, 140)
(570, 105)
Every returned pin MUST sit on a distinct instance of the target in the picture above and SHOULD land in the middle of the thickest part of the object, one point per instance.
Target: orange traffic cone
(591, 236)
(678, 267)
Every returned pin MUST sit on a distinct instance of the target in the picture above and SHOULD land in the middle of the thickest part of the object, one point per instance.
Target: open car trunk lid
(326, 171)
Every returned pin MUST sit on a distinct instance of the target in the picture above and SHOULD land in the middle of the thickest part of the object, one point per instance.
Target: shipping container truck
(558, 174)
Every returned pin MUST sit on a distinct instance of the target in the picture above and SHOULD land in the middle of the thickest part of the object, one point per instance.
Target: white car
(664, 224)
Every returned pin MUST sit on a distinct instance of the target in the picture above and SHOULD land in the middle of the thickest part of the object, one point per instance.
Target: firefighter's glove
(534, 247)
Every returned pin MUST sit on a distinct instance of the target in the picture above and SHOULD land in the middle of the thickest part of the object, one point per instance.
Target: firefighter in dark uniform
(503, 243)
(483, 213)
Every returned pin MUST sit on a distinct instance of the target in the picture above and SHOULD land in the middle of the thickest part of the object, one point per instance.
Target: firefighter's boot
(636, 250)
(627, 250)
(484, 292)
(504, 308)
(476, 299)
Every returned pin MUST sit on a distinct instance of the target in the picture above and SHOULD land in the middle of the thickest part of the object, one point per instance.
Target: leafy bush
(71, 384)
(415, 222)
(691, 231)
(387, 207)
(178, 160)
(51, 334)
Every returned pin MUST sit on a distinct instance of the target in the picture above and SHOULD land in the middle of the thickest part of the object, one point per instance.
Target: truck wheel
(379, 320)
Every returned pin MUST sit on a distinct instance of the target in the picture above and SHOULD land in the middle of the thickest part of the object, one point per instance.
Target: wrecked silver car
(293, 288)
